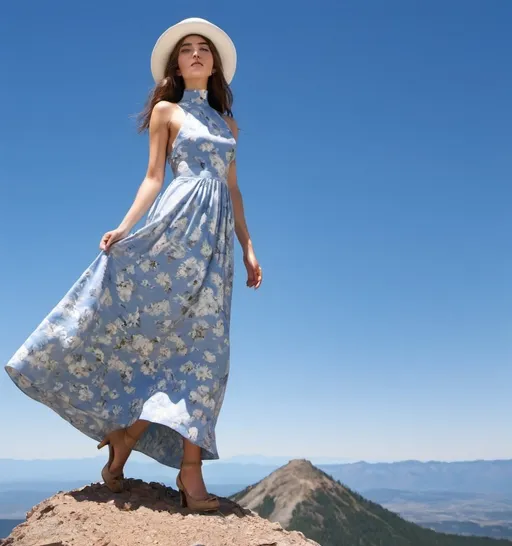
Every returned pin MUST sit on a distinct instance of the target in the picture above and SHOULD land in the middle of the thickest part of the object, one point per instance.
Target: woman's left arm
(254, 274)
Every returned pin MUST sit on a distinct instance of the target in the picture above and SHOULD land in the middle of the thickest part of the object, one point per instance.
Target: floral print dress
(144, 332)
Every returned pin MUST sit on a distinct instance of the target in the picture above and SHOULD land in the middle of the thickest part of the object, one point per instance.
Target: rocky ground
(144, 514)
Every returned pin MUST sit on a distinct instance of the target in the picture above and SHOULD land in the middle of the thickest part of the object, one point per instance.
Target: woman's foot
(120, 445)
(192, 479)
(193, 491)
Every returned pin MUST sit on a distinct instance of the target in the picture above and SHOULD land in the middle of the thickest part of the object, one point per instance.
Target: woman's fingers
(250, 277)
(259, 278)
(109, 239)
(104, 241)
(114, 237)
(254, 277)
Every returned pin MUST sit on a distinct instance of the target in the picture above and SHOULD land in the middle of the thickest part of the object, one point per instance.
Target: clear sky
(374, 160)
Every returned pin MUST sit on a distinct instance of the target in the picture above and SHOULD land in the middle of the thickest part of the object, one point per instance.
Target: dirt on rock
(143, 514)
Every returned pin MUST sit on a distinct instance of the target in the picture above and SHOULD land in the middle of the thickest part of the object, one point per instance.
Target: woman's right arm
(159, 127)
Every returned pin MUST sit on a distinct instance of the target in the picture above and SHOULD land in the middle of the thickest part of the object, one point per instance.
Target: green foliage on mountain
(325, 518)
(267, 507)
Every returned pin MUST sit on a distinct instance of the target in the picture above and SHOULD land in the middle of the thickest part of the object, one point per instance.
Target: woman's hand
(112, 237)
(254, 273)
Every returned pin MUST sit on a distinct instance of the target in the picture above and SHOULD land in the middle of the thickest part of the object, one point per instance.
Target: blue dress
(144, 332)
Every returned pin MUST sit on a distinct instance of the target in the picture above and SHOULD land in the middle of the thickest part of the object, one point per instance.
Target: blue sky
(374, 160)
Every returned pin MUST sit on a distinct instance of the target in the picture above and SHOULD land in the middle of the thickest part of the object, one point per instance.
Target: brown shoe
(115, 480)
(207, 504)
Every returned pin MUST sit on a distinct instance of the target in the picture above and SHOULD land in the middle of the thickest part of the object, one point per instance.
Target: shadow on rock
(153, 495)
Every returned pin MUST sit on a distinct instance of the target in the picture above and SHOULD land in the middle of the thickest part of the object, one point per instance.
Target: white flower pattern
(145, 329)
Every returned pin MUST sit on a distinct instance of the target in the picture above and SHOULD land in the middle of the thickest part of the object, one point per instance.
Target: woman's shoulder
(164, 106)
(163, 112)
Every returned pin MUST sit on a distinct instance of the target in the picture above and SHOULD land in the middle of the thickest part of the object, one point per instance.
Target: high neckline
(195, 95)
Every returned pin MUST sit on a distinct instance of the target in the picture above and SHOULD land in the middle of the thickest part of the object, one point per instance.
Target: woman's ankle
(190, 463)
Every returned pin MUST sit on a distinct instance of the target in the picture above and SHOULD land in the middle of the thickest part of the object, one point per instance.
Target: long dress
(144, 332)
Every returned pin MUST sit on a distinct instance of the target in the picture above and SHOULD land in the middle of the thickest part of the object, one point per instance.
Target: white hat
(194, 25)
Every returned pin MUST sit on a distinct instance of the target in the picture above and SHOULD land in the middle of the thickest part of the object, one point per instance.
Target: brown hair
(171, 87)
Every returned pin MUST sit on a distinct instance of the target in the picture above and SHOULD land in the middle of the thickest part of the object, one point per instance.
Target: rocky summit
(144, 514)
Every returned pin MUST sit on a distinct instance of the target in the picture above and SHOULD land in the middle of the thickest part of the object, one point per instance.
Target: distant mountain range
(303, 498)
(464, 476)
(493, 477)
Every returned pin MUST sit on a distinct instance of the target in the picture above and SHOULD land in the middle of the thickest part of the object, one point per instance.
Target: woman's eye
(205, 49)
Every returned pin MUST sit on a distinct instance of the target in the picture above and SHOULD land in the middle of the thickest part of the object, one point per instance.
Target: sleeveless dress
(144, 332)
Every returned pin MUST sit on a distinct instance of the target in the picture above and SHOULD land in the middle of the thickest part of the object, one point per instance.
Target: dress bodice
(204, 146)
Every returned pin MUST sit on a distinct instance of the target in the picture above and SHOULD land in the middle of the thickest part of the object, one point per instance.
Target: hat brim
(168, 40)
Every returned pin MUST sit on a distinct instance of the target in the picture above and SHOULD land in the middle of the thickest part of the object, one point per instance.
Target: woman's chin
(197, 73)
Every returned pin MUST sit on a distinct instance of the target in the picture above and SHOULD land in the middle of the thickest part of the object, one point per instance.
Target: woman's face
(195, 58)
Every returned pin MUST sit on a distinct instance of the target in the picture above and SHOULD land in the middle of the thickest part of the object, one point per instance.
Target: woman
(136, 355)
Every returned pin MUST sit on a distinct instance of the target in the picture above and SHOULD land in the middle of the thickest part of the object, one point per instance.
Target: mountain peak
(304, 471)
(303, 465)
(276, 496)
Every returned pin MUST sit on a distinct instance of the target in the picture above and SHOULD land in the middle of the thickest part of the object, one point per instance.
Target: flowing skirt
(144, 332)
